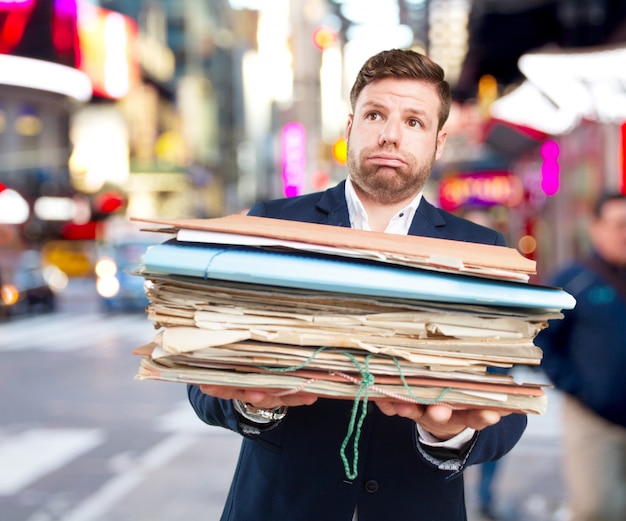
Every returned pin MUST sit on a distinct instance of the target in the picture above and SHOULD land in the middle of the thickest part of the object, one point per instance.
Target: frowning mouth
(387, 160)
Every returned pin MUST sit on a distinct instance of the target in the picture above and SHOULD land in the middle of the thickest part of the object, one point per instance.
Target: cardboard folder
(433, 253)
(327, 273)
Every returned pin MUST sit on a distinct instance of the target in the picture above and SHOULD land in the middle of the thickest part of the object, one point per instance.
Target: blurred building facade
(40, 86)
(547, 74)
(198, 109)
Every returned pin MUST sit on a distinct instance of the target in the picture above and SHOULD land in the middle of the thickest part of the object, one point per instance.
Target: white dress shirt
(399, 223)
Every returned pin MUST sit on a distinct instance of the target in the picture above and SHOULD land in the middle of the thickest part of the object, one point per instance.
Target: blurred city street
(80, 440)
(119, 113)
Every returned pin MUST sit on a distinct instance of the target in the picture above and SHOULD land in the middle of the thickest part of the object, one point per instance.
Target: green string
(367, 380)
(294, 367)
(421, 401)
(362, 395)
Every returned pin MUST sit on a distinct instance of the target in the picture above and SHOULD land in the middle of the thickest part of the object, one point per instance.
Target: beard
(387, 185)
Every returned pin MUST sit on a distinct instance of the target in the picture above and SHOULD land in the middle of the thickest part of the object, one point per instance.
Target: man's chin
(385, 195)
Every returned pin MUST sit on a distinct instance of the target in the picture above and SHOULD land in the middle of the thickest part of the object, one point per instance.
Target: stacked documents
(297, 307)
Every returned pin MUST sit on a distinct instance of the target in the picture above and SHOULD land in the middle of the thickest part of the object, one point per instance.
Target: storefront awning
(564, 88)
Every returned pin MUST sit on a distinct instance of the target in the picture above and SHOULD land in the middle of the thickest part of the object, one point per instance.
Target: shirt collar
(399, 224)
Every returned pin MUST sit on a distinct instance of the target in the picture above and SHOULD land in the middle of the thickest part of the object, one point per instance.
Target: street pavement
(191, 483)
(180, 468)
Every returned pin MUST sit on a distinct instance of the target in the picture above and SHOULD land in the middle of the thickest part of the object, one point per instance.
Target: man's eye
(373, 116)
(414, 123)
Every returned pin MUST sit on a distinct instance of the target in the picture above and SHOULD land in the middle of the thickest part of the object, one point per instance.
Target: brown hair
(404, 64)
(603, 199)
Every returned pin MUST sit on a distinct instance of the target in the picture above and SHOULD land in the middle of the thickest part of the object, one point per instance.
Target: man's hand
(258, 398)
(442, 421)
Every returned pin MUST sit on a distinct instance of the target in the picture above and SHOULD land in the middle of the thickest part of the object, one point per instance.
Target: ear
(349, 126)
(442, 135)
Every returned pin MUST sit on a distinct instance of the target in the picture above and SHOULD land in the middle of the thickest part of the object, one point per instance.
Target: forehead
(614, 211)
(406, 93)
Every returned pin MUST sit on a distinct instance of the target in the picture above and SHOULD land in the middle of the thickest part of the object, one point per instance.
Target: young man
(585, 357)
(411, 457)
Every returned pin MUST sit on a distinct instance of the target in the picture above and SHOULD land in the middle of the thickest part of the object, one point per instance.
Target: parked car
(26, 286)
(117, 285)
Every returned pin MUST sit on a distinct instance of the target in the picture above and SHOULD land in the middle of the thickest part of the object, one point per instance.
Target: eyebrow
(378, 105)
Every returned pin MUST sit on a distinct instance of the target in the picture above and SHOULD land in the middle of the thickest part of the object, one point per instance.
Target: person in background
(411, 456)
(585, 357)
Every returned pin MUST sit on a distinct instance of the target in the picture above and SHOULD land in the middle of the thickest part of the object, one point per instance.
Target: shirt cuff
(458, 442)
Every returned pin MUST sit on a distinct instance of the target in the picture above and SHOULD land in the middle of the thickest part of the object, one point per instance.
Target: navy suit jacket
(294, 472)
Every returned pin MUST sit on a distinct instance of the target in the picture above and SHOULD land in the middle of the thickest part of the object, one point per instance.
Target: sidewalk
(528, 485)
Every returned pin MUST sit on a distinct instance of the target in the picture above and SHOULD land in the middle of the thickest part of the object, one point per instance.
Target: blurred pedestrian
(585, 357)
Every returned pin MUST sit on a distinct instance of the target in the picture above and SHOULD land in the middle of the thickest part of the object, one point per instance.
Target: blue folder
(340, 274)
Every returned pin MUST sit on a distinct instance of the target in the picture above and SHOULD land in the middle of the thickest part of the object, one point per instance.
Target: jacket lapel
(427, 221)
(333, 204)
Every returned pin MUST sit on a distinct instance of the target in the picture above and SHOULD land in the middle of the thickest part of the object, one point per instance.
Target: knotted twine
(366, 383)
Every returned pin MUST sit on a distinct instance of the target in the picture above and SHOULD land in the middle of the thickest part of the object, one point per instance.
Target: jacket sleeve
(213, 411)
(497, 440)
(487, 445)
(221, 413)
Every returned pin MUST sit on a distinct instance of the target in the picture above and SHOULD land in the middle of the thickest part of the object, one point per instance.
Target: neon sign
(550, 168)
(293, 158)
(480, 189)
(34, 29)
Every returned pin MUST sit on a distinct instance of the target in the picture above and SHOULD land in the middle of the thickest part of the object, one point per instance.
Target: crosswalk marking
(68, 331)
(97, 505)
(32, 454)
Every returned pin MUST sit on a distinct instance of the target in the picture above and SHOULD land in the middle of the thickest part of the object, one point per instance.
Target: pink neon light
(293, 158)
(550, 168)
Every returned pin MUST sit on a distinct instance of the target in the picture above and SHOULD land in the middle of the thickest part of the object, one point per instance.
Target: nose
(390, 132)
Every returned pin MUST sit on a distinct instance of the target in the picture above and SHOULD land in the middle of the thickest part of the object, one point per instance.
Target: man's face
(393, 139)
(608, 233)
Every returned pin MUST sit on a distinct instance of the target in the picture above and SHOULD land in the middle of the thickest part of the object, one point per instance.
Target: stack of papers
(297, 307)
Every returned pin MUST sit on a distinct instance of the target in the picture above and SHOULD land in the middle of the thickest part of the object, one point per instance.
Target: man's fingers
(478, 419)
(386, 408)
(404, 409)
(439, 413)
(258, 398)
(227, 393)
(440, 420)
(488, 417)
